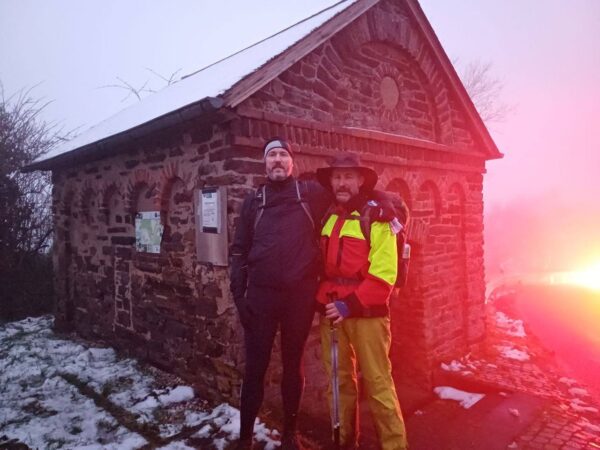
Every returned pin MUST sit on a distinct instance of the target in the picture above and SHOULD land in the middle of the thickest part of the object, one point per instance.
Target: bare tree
(25, 202)
(485, 90)
(139, 91)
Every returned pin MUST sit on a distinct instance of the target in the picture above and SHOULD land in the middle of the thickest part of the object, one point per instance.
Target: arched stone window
(177, 215)
(114, 207)
(400, 187)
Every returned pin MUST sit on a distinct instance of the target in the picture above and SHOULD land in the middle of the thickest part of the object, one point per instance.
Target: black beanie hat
(277, 143)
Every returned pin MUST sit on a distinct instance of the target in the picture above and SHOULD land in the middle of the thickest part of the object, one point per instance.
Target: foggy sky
(547, 52)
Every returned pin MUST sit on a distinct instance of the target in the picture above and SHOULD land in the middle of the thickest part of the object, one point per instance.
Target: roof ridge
(265, 39)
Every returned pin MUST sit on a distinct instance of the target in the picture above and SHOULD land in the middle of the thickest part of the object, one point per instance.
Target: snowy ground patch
(512, 327)
(464, 365)
(453, 366)
(57, 393)
(466, 399)
(507, 351)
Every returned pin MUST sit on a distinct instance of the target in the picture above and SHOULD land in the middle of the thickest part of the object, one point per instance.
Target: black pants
(291, 311)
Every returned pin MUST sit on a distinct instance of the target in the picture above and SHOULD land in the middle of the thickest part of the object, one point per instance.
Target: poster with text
(148, 232)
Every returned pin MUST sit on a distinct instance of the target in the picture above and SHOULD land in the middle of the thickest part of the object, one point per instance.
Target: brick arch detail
(430, 189)
(457, 190)
(171, 174)
(438, 108)
(400, 186)
(141, 180)
(106, 194)
(408, 39)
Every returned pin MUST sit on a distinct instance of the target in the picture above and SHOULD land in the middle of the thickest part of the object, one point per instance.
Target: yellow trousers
(366, 341)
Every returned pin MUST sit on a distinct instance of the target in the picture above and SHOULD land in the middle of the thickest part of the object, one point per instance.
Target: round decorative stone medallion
(390, 94)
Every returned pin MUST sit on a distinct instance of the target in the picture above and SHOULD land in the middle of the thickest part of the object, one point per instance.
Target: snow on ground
(466, 399)
(464, 365)
(57, 393)
(579, 392)
(453, 366)
(568, 381)
(511, 353)
(580, 406)
(512, 327)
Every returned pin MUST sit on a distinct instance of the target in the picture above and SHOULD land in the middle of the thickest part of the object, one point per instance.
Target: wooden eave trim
(274, 67)
(419, 16)
(396, 161)
(382, 136)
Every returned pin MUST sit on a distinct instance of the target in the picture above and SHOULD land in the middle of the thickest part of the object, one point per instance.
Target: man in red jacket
(360, 272)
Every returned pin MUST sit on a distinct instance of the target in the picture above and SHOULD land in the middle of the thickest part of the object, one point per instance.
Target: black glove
(349, 306)
(245, 311)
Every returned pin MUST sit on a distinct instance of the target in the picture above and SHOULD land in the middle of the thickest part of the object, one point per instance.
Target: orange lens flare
(588, 277)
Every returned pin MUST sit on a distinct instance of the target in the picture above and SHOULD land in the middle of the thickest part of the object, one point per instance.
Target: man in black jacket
(274, 269)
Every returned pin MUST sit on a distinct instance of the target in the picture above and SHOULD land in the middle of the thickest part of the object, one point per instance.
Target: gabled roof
(233, 79)
(463, 97)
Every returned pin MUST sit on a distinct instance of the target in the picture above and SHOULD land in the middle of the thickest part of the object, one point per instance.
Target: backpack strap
(262, 199)
(304, 205)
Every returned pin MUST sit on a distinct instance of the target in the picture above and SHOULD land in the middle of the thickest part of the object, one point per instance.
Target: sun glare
(588, 277)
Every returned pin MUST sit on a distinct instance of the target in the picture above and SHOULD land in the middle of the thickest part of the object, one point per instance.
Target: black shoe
(244, 444)
(291, 442)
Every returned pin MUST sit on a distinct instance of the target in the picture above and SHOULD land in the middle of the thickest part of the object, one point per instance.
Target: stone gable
(377, 73)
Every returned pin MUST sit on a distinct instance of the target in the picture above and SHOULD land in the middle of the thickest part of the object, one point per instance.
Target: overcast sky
(547, 52)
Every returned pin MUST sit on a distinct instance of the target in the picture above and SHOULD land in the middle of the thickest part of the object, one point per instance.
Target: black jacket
(283, 249)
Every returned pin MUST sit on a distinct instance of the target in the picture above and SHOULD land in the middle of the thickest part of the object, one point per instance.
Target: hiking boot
(291, 442)
(243, 444)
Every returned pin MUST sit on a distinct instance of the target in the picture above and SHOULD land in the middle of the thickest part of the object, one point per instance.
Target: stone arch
(375, 28)
(142, 197)
(428, 202)
(177, 211)
(142, 193)
(399, 186)
(456, 201)
(115, 207)
(111, 204)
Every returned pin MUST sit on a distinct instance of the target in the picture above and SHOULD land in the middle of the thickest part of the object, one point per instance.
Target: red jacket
(354, 265)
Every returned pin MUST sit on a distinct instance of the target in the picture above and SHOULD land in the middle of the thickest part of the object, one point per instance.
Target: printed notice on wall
(148, 232)
(210, 211)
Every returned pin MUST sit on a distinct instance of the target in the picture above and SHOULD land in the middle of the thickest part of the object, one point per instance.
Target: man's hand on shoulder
(381, 211)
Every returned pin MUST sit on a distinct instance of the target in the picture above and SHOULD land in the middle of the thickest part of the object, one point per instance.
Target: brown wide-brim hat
(347, 161)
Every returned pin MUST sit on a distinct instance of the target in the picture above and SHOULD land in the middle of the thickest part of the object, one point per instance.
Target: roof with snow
(231, 80)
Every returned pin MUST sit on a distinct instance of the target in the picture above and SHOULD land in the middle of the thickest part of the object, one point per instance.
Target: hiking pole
(335, 385)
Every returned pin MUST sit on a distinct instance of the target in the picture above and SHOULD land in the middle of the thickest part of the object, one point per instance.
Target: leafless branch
(485, 91)
(139, 92)
(169, 80)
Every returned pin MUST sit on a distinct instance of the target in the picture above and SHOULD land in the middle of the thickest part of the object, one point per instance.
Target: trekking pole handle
(332, 296)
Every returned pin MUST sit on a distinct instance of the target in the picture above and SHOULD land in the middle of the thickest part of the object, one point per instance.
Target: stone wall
(165, 308)
(375, 80)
